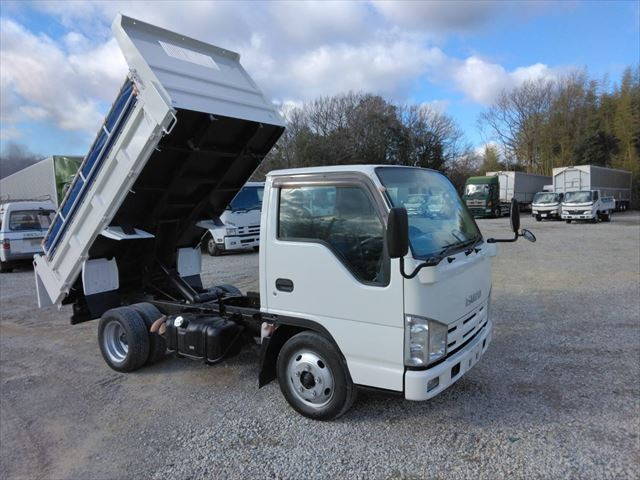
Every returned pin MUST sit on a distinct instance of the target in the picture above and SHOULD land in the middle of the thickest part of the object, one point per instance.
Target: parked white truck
(547, 205)
(609, 182)
(588, 205)
(354, 291)
(238, 228)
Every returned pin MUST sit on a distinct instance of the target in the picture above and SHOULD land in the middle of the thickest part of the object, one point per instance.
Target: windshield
(476, 189)
(439, 219)
(546, 197)
(249, 198)
(21, 220)
(577, 197)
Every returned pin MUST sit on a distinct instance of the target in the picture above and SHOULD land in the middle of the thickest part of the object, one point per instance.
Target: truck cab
(324, 262)
(23, 225)
(482, 196)
(588, 205)
(547, 205)
(238, 228)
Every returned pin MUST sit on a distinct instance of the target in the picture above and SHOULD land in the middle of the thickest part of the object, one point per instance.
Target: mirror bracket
(411, 275)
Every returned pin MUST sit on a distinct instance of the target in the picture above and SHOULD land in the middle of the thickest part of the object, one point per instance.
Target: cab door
(326, 263)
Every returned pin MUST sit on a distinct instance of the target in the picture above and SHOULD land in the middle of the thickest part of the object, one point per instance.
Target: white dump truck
(354, 290)
(238, 228)
(609, 182)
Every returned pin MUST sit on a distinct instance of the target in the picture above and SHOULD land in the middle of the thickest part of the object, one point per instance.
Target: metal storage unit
(46, 180)
(186, 131)
(520, 185)
(610, 181)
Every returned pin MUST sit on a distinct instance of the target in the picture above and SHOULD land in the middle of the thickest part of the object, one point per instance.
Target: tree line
(534, 127)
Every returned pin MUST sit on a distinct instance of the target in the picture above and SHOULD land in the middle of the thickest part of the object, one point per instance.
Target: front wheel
(568, 221)
(212, 248)
(538, 218)
(314, 378)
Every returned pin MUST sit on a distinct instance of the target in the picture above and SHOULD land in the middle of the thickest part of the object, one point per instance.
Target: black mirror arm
(409, 276)
(500, 240)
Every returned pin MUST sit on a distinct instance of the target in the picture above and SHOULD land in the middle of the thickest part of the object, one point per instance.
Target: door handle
(284, 285)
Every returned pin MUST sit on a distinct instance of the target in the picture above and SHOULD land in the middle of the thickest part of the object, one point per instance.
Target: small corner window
(344, 219)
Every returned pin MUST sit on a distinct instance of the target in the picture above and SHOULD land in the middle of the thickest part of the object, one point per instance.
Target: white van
(23, 224)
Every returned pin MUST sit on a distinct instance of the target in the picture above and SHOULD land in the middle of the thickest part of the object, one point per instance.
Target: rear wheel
(157, 344)
(123, 339)
(314, 378)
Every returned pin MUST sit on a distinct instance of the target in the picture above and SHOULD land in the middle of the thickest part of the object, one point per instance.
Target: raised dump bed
(186, 131)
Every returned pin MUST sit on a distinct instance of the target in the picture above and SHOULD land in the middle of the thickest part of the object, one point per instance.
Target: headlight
(425, 341)
(232, 231)
(587, 212)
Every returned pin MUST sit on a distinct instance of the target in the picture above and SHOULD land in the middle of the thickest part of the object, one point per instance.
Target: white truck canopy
(187, 130)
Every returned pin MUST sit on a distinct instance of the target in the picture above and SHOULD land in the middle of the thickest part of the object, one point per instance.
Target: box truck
(609, 182)
(28, 200)
(354, 290)
(491, 195)
(47, 179)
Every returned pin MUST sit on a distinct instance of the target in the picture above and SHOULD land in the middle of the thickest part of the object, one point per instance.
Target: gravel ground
(556, 396)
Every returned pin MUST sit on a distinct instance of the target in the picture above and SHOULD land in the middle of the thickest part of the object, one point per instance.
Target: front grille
(463, 328)
(250, 230)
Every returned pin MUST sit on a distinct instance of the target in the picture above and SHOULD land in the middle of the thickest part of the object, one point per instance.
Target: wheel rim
(310, 379)
(114, 340)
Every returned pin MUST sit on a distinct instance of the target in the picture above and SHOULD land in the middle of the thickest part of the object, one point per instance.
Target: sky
(60, 67)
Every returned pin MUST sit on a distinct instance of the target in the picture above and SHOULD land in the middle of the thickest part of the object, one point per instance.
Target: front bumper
(240, 242)
(583, 216)
(16, 256)
(545, 213)
(449, 371)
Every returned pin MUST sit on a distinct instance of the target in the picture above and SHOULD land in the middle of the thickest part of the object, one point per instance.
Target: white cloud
(46, 83)
(10, 133)
(439, 15)
(481, 80)
(295, 51)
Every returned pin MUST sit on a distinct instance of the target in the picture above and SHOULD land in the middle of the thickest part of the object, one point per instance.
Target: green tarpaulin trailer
(48, 179)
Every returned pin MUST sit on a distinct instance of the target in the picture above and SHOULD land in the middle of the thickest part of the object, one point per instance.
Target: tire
(212, 248)
(157, 344)
(256, 249)
(568, 221)
(123, 339)
(314, 378)
(538, 218)
(5, 267)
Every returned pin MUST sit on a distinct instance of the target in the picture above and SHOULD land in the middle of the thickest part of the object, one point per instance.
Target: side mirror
(514, 214)
(528, 235)
(398, 232)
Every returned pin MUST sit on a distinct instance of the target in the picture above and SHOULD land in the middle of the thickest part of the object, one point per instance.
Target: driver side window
(342, 218)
